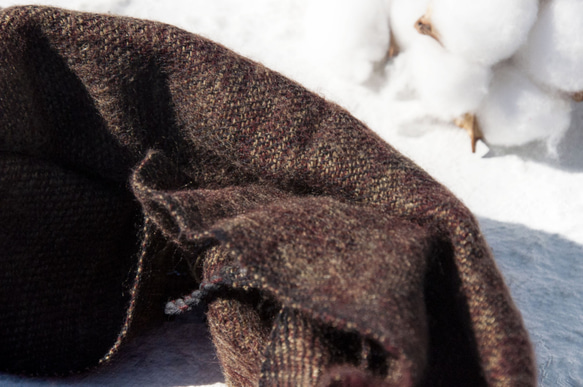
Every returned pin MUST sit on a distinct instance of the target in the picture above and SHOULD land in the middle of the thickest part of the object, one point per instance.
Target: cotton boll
(553, 54)
(484, 31)
(448, 85)
(403, 14)
(517, 111)
(347, 37)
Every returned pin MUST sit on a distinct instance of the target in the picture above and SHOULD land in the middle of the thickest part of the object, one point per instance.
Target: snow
(529, 202)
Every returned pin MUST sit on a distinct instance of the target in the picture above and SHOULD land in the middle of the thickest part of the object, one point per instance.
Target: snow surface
(529, 203)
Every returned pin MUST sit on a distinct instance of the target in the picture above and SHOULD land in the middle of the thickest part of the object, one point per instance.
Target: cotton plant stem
(469, 123)
(424, 27)
(394, 48)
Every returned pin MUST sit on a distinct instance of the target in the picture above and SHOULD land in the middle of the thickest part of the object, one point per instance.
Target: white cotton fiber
(403, 15)
(484, 31)
(448, 85)
(553, 54)
(347, 37)
(517, 111)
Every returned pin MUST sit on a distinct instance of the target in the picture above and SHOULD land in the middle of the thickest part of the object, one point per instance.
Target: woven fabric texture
(131, 149)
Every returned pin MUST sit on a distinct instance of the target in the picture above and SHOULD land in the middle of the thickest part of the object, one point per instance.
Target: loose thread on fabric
(133, 294)
(185, 303)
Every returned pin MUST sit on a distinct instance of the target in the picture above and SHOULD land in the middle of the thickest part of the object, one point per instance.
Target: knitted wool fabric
(324, 257)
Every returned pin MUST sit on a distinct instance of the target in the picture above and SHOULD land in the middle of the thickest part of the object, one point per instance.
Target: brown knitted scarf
(132, 150)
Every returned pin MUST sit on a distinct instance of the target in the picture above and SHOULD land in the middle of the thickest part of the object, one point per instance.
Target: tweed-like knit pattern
(325, 257)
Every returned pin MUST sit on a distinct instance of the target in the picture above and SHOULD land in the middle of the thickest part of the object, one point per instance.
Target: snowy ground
(530, 204)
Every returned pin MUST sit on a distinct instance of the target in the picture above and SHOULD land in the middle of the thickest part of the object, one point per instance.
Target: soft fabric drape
(130, 150)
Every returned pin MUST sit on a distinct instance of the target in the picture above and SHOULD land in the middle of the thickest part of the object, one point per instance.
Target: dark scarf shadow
(542, 270)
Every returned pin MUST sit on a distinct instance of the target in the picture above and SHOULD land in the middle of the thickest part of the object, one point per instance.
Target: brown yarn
(129, 147)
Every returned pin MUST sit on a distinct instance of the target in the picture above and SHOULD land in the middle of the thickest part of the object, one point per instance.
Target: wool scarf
(146, 169)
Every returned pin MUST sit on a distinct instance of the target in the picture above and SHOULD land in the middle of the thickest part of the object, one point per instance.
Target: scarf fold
(131, 149)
